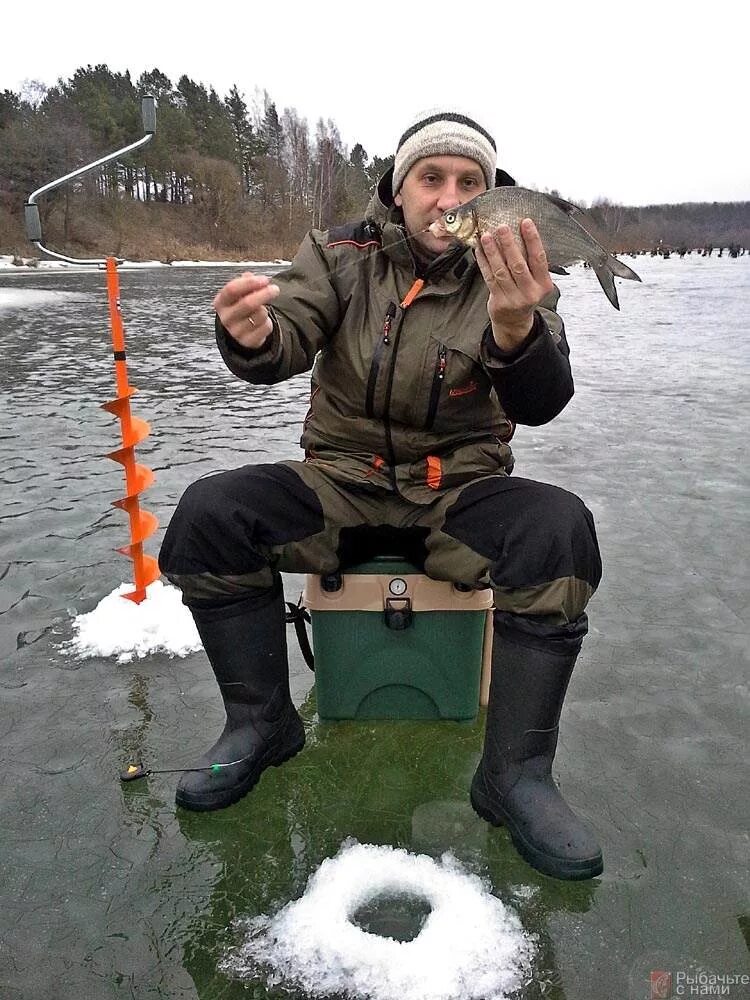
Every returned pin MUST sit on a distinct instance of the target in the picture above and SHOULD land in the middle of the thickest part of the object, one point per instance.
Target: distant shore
(10, 263)
(13, 264)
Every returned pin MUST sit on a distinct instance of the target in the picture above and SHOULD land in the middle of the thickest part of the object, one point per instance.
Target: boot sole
(547, 864)
(228, 796)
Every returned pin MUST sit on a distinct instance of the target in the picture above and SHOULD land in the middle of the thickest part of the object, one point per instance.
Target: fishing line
(359, 262)
(134, 771)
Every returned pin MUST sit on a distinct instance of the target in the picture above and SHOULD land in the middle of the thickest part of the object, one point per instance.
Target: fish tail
(606, 277)
(620, 269)
(606, 274)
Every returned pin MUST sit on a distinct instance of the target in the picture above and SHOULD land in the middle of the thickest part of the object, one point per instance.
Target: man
(425, 356)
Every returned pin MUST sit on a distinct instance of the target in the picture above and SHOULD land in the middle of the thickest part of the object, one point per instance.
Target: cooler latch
(398, 613)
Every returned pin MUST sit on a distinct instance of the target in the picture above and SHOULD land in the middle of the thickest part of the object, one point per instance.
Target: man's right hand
(241, 307)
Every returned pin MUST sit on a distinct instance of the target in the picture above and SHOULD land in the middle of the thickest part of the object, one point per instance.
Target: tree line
(676, 228)
(222, 176)
(236, 168)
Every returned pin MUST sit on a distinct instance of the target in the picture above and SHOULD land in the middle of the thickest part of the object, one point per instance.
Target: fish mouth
(438, 229)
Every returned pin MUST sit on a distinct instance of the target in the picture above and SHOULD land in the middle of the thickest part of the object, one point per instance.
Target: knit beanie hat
(444, 133)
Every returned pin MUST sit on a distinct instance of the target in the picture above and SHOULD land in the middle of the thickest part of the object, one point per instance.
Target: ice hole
(399, 915)
(379, 923)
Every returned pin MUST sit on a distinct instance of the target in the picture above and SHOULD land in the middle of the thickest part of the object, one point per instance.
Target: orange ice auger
(133, 430)
(137, 477)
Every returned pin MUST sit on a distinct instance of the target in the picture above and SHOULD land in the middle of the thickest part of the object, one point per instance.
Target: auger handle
(31, 209)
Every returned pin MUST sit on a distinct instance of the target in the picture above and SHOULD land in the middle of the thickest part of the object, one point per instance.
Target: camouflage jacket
(409, 391)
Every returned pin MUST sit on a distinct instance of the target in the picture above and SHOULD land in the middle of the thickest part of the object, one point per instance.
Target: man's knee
(200, 500)
(229, 522)
(530, 532)
(569, 536)
(555, 542)
(192, 526)
(557, 566)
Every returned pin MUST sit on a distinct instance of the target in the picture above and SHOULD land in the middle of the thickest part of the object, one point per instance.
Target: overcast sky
(639, 102)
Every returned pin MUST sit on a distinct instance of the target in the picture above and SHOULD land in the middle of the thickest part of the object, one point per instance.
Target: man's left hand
(517, 282)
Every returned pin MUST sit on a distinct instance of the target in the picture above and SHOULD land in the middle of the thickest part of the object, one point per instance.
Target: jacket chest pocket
(457, 385)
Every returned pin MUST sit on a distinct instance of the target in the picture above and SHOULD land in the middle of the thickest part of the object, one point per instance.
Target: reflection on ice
(470, 945)
(117, 627)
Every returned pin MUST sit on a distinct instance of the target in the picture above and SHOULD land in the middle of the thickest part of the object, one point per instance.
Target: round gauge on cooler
(397, 587)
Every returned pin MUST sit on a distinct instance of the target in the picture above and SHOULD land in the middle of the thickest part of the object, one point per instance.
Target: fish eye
(450, 217)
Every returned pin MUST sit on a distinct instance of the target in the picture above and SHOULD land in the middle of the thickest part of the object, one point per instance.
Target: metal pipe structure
(31, 209)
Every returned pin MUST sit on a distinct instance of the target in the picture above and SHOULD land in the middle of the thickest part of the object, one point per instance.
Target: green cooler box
(390, 643)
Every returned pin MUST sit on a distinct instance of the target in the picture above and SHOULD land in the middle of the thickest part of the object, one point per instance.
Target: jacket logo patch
(464, 390)
(353, 243)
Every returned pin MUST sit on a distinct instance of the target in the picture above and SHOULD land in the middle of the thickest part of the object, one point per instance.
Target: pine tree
(10, 108)
(247, 145)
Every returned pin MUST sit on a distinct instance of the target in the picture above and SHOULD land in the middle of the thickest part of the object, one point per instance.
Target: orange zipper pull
(413, 292)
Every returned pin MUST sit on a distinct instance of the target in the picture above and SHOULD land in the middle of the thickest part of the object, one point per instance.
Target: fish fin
(621, 270)
(557, 270)
(567, 206)
(607, 280)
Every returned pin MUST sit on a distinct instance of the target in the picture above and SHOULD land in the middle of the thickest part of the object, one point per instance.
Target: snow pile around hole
(470, 947)
(118, 627)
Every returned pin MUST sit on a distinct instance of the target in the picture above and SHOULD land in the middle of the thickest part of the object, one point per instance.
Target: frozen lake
(107, 892)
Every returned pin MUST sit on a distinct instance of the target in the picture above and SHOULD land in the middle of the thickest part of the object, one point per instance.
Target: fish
(564, 236)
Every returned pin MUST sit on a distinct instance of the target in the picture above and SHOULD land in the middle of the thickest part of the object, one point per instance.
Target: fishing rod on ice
(134, 771)
(132, 429)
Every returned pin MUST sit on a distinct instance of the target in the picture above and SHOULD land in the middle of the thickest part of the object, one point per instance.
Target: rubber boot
(246, 647)
(513, 783)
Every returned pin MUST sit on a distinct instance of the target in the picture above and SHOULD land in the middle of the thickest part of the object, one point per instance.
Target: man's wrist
(251, 341)
(237, 347)
(538, 326)
(510, 338)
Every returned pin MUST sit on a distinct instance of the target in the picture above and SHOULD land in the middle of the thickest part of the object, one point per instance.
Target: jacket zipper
(390, 335)
(383, 341)
(437, 384)
(387, 404)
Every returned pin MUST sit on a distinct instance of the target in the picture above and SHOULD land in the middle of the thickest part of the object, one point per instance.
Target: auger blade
(149, 573)
(118, 405)
(132, 430)
(138, 431)
(125, 456)
(142, 525)
(137, 481)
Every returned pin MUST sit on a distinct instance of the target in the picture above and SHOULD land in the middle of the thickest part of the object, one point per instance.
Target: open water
(109, 892)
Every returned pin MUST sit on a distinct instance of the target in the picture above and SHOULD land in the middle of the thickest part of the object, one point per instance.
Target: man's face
(434, 185)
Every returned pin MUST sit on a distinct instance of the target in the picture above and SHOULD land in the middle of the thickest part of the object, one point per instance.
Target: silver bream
(564, 237)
